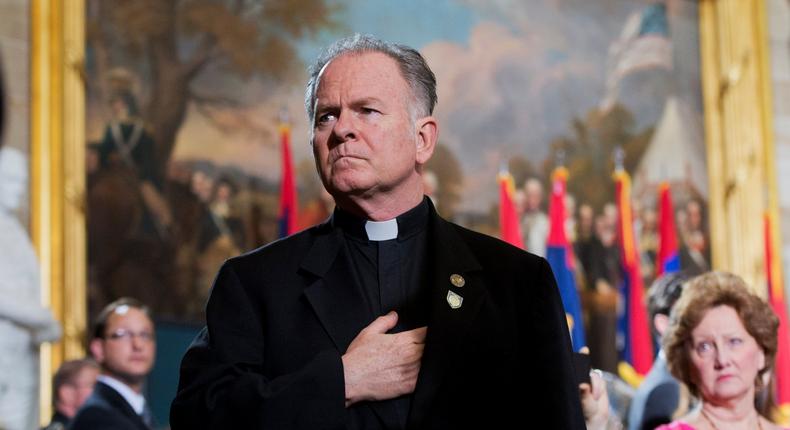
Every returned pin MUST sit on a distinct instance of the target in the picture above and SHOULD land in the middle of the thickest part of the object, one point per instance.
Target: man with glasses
(124, 346)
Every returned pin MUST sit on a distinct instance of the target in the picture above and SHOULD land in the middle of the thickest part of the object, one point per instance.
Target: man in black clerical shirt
(389, 260)
(387, 316)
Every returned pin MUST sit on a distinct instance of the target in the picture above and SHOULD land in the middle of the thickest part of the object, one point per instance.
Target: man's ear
(97, 350)
(661, 323)
(427, 135)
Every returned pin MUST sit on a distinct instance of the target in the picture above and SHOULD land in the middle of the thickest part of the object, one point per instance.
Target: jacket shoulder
(97, 414)
(281, 249)
(491, 249)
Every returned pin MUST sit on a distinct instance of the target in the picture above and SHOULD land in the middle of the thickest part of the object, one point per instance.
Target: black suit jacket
(106, 409)
(280, 317)
(58, 422)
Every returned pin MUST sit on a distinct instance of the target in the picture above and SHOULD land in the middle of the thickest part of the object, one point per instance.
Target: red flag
(668, 260)
(777, 301)
(557, 215)
(288, 209)
(509, 226)
(637, 348)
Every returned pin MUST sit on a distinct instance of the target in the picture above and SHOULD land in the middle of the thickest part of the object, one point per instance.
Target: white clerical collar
(136, 401)
(382, 230)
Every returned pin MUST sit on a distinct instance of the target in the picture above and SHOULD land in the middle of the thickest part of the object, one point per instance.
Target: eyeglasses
(145, 336)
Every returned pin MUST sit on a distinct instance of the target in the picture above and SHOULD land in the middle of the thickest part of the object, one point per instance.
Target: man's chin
(348, 187)
(131, 377)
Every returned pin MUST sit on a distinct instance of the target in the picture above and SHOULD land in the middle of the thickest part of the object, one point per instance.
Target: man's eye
(367, 110)
(325, 118)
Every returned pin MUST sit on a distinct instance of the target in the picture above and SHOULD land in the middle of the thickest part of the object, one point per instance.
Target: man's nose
(138, 342)
(345, 127)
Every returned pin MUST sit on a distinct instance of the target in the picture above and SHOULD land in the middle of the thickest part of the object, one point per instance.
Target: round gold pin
(457, 280)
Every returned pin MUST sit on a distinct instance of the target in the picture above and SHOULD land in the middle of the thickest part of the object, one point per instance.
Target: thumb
(383, 323)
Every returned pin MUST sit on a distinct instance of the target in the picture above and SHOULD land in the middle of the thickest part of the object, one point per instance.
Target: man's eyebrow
(324, 105)
(356, 103)
(365, 100)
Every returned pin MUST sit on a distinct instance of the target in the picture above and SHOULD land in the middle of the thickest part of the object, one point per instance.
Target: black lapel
(332, 292)
(116, 400)
(447, 327)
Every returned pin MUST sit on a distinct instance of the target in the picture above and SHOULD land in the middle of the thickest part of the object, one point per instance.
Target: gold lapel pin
(454, 300)
(457, 280)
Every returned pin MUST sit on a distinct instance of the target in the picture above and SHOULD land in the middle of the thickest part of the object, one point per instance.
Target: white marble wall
(779, 29)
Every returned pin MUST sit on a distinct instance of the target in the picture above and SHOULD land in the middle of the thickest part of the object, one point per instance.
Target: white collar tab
(382, 230)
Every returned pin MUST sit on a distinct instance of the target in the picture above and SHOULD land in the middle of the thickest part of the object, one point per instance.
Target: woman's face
(724, 356)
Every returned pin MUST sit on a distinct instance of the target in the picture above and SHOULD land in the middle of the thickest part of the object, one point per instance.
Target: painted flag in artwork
(779, 304)
(643, 44)
(668, 260)
(509, 226)
(558, 254)
(634, 340)
(287, 214)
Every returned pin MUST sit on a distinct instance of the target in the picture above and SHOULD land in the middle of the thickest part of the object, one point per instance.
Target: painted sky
(512, 75)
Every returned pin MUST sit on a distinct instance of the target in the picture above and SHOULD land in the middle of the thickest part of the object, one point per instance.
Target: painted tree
(589, 152)
(521, 168)
(174, 46)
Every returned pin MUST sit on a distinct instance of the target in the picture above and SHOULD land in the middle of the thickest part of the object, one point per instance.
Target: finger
(383, 323)
(584, 350)
(598, 384)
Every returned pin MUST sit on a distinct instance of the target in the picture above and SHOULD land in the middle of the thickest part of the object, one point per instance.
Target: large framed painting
(184, 99)
(171, 148)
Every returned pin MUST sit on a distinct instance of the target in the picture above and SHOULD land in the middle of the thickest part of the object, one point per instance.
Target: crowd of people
(106, 390)
(596, 253)
(719, 343)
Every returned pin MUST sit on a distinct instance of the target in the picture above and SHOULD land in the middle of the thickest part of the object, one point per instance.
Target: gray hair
(412, 65)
